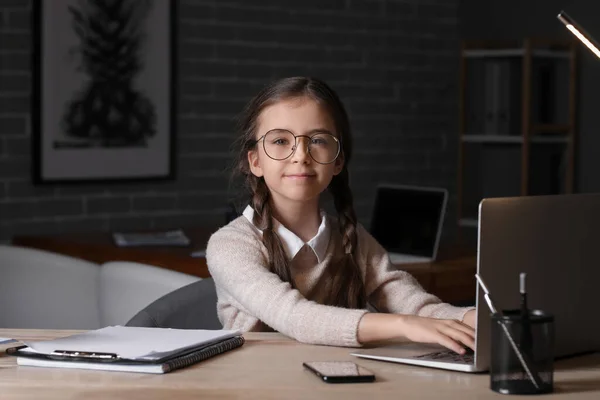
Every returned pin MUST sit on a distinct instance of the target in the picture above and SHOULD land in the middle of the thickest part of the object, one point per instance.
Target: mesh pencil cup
(525, 366)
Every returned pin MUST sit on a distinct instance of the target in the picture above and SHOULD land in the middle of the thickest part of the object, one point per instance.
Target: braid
(348, 288)
(260, 200)
(346, 216)
(263, 219)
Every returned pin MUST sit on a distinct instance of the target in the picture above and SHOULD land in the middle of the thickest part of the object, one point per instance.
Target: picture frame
(103, 90)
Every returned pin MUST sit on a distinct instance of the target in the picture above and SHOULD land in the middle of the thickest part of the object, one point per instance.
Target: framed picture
(103, 90)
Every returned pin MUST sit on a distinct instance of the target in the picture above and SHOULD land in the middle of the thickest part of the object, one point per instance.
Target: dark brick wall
(394, 63)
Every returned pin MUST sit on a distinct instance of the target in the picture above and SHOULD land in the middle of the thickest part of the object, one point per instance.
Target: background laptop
(554, 239)
(407, 221)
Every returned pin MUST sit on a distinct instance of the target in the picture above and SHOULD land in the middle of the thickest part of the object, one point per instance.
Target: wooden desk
(451, 278)
(269, 366)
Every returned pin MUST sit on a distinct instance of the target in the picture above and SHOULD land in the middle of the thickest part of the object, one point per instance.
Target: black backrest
(191, 307)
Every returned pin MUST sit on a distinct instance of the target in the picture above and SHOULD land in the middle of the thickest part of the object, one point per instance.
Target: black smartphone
(339, 371)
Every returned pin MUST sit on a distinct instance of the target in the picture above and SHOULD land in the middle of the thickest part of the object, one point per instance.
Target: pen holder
(529, 368)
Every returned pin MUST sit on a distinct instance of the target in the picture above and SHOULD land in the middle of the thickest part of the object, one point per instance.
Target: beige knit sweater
(251, 298)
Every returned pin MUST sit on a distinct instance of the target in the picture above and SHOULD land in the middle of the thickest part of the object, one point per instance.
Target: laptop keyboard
(449, 356)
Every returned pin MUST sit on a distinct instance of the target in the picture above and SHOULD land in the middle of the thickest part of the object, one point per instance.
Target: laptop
(407, 221)
(554, 239)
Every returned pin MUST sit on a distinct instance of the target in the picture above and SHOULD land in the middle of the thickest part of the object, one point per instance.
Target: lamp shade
(579, 32)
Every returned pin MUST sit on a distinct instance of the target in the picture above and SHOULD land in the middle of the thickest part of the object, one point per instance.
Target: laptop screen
(407, 220)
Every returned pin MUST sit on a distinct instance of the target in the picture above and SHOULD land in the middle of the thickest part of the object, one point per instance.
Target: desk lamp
(581, 34)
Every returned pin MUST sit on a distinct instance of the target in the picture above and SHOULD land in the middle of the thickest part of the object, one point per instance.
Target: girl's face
(298, 178)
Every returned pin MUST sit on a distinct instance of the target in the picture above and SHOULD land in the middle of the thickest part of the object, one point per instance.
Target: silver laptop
(407, 221)
(554, 239)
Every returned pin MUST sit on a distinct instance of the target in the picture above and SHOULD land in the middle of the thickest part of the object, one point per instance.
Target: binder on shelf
(498, 96)
(128, 349)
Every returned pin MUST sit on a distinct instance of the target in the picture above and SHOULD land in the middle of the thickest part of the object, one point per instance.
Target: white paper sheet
(133, 342)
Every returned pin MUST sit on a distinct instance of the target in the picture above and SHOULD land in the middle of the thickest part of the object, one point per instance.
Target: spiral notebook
(129, 349)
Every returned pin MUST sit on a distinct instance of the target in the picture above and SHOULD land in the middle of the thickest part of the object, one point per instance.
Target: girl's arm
(448, 333)
(237, 263)
(408, 310)
(395, 291)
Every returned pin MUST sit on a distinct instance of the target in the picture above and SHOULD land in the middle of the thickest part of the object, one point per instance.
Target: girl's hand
(469, 318)
(452, 334)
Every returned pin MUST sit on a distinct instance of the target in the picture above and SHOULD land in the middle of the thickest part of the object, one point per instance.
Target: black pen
(526, 338)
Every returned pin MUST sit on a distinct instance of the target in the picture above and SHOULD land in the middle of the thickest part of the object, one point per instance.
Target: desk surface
(269, 366)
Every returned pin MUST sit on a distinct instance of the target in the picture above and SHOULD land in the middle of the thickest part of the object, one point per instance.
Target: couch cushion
(45, 290)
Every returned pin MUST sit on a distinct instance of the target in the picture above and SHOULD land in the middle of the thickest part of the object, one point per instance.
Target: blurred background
(440, 93)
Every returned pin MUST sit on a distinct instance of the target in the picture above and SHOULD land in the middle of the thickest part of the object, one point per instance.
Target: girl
(285, 265)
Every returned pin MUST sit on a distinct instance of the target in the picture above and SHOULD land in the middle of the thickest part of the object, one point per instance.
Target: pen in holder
(525, 343)
(526, 366)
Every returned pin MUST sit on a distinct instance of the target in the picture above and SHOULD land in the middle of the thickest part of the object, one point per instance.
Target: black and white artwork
(103, 90)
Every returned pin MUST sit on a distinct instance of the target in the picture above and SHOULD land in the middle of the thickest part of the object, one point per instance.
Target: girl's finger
(462, 327)
(447, 342)
(459, 336)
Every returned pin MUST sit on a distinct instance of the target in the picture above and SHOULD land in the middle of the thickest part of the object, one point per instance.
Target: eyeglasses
(280, 144)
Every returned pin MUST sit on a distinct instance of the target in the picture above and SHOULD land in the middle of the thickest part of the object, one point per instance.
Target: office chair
(128, 287)
(193, 306)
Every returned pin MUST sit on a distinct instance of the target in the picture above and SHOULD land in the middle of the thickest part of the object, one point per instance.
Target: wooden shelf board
(504, 139)
(483, 138)
(516, 52)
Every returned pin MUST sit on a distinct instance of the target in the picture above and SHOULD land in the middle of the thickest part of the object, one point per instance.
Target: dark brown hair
(347, 286)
